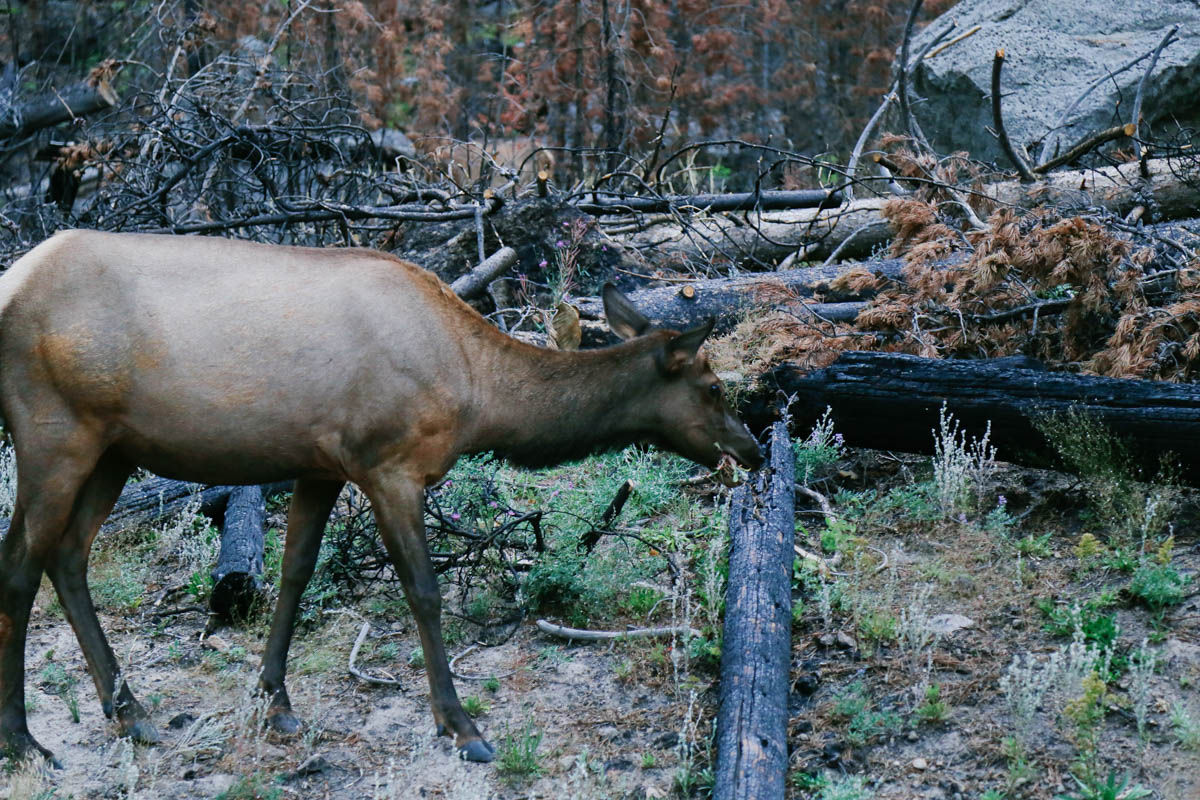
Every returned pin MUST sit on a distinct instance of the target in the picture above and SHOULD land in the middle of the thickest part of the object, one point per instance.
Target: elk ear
(623, 317)
(682, 349)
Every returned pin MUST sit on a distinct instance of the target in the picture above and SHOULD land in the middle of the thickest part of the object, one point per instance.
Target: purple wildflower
(543, 263)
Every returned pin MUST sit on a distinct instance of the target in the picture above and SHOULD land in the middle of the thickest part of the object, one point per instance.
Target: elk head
(693, 416)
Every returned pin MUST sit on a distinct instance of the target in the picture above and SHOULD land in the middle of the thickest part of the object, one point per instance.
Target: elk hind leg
(49, 481)
(68, 572)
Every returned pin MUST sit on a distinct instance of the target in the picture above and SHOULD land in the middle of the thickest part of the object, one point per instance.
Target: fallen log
(611, 203)
(683, 305)
(769, 237)
(154, 500)
(237, 578)
(888, 401)
(63, 105)
(756, 644)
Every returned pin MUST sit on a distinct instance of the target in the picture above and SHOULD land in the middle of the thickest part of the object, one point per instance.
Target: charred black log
(891, 402)
(756, 646)
(237, 578)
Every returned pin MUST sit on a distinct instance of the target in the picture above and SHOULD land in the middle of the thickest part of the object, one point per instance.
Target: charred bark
(683, 305)
(756, 645)
(237, 578)
(891, 402)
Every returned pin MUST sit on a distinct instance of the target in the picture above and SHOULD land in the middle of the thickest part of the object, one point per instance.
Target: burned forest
(944, 260)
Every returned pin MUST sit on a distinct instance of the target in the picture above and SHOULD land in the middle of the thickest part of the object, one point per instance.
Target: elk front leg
(398, 503)
(312, 501)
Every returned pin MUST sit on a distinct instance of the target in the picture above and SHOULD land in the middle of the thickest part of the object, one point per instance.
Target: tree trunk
(237, 578)
(891, 402)
(756, 645)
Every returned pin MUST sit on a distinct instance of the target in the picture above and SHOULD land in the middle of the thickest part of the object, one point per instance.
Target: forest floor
(1006, 633)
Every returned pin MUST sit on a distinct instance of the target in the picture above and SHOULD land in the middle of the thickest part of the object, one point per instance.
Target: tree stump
(756, 646)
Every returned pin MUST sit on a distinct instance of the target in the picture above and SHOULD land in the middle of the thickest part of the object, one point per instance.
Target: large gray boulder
(1054, 50)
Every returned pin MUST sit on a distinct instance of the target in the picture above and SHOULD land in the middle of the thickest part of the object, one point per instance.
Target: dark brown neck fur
(548, 407)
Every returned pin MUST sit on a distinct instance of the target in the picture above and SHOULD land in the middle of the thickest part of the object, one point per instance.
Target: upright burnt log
(756, 646)
(888, 401)
(237, 578)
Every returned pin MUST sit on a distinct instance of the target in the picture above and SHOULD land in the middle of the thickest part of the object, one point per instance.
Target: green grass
(517, 752)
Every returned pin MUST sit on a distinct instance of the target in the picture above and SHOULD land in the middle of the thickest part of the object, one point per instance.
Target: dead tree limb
(475, 282)
(756, 644)
(818, 232)
(998, 121)
(60, 106)
(891, 402)
(610, 203)
(1085, 146)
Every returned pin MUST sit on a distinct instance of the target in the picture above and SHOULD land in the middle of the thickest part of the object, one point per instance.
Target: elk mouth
(727, 470)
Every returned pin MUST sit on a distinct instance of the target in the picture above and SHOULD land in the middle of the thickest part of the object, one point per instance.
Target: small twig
(1141, 89)
(954, 41)
(848, 189)
(463, 677)
(606, 636)
(1085, 145)
(171, 612)
(1035, 308)
(356, 672)
(998, 122)
(822, 501)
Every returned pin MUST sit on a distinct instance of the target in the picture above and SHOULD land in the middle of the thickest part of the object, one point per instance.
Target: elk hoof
(142, 732)
(477, 750)
(284, 722)
(23, 746)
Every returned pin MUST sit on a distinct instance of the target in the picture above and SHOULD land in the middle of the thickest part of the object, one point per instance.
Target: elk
(229, 362)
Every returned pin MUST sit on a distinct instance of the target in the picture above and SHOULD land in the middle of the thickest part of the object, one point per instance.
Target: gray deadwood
(756, 645)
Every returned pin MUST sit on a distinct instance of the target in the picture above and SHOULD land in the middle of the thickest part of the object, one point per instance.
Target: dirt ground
(906, 602)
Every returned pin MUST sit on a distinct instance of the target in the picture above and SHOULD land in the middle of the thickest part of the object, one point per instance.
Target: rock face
(1054, 50)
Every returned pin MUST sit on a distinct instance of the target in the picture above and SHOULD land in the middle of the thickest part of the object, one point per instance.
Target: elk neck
(538, 407)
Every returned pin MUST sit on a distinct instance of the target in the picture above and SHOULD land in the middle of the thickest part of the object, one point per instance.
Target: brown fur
(225, 362)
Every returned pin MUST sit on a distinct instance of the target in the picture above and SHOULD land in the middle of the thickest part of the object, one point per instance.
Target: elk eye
(714, 390)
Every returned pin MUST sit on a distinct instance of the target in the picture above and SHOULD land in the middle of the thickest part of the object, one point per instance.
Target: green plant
(1036, 546)
(61, 683)
(1098, 628)
(253, 787)
(932, 708)
(1158, 586)
(1085, 713)
(1186, 727)
(492, 684)
(641, 601)
(1109, 788)
(517, 752)
(476, 706)
(820, 451)
(416, 658)
(648, 760)
(959, 464)
(1119, 496)
(863, 722)
(1020, 771)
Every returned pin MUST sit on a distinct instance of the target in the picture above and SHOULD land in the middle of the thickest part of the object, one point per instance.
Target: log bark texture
(747, 238)
(891, 402)
(62, 106)
(237, 578)
(682, 305)
(756, 645)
